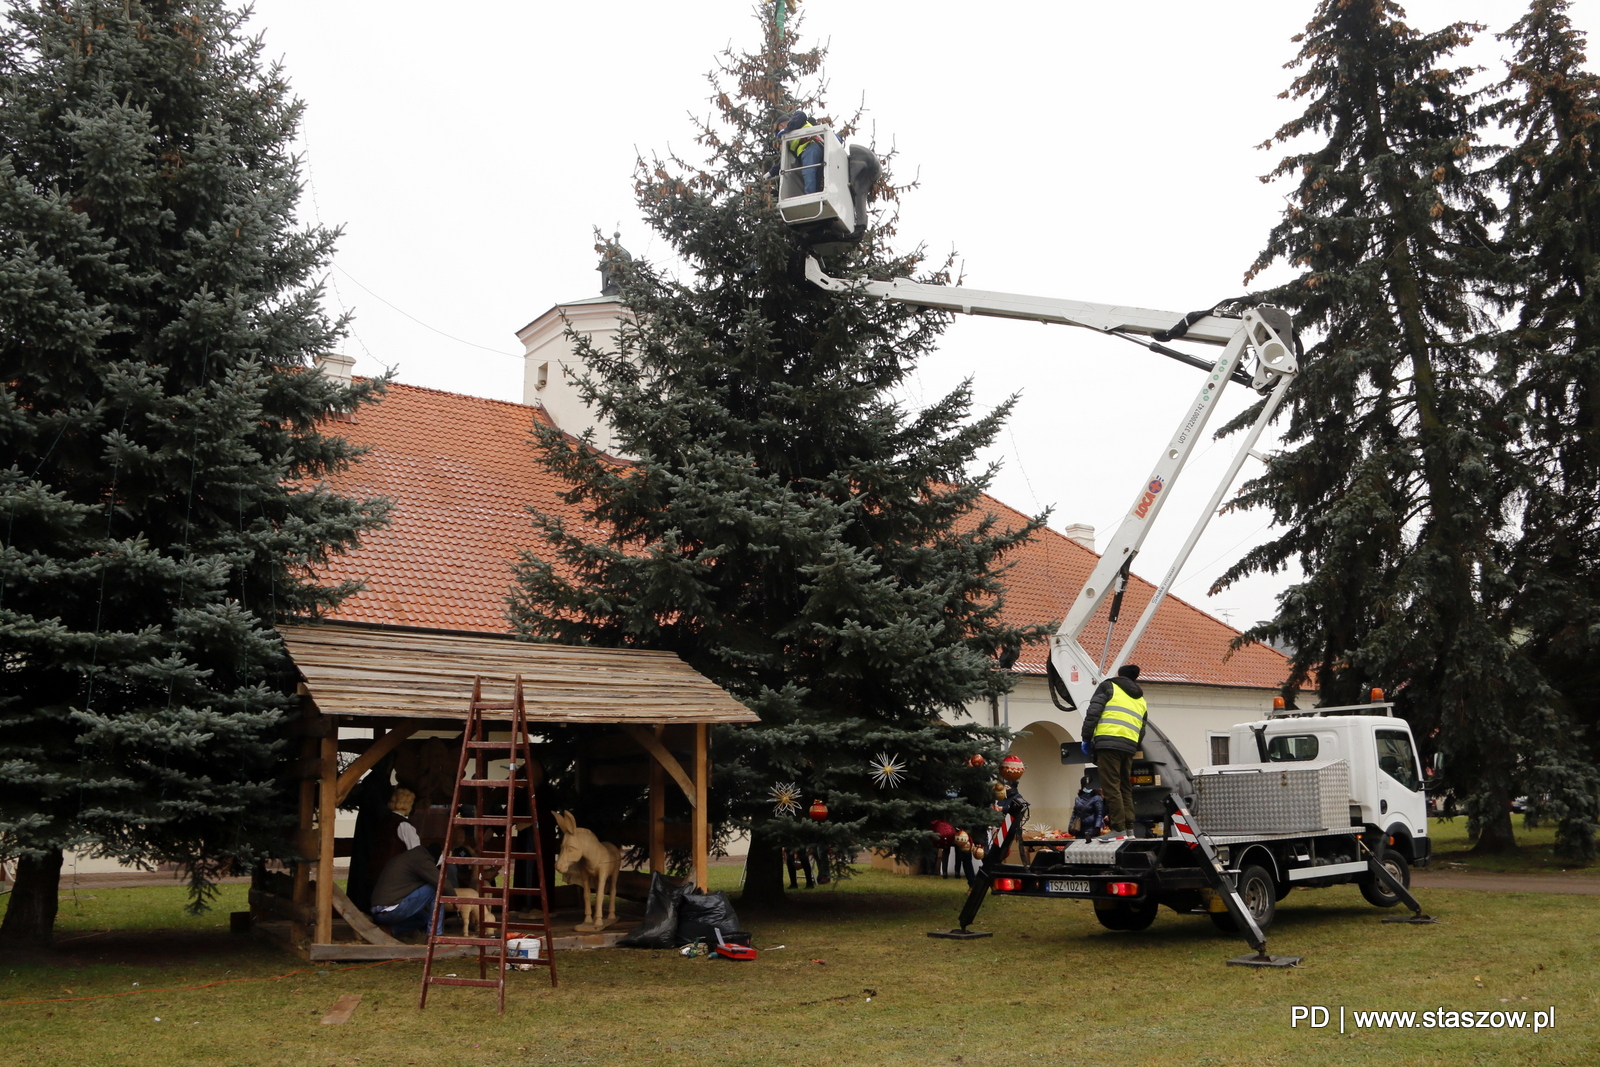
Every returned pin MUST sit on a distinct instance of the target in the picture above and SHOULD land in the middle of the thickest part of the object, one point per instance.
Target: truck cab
(1386, 784)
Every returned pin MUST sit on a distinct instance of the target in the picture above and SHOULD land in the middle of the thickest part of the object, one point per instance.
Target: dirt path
(1508, 883)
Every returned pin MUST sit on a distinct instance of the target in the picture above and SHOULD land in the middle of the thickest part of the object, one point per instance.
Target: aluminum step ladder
(492, 830)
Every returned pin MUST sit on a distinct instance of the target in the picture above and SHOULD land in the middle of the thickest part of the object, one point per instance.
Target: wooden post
(658, 812)
(299, 933)
(327, 812)
(702, 775)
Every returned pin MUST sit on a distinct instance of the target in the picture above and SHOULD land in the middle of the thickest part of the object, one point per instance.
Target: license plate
(1066, 885)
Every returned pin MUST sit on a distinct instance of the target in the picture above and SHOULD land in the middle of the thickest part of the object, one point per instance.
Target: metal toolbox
(1273, 797)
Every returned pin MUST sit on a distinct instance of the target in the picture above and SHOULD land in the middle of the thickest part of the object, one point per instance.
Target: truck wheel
(1378, 894)
(1259, 891)
(1127, 916)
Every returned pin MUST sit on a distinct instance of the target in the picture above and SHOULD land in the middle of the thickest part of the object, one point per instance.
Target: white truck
(1336, 795)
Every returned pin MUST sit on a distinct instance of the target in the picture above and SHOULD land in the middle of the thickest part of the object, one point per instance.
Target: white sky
(1099, 152)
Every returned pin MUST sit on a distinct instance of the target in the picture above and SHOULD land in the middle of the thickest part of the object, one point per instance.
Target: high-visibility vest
(798, 145)
(1123, 716)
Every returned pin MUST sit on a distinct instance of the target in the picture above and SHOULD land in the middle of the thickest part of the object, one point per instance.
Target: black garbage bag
(660, 926)
(701, 913)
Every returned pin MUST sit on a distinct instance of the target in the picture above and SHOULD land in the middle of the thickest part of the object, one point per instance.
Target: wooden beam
(658, 811)
(370, 931)
(327, 812)
(375, 752)
(702, 778)
(653, 745)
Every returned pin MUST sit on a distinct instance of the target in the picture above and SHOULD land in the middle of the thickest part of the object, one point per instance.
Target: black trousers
(1115, 767)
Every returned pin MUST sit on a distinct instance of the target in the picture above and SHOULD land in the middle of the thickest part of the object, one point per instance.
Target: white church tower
(551, 368)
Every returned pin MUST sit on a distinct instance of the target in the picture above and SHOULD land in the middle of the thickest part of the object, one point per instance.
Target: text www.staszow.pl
(1318, 1016)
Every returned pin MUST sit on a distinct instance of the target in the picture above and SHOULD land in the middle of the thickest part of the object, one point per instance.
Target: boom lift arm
(1257, 350)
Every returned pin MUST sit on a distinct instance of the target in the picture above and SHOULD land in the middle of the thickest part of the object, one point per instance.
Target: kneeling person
(403, 898)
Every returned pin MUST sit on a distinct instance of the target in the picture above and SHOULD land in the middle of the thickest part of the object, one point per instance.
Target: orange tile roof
(461, 473)
(1182, 643)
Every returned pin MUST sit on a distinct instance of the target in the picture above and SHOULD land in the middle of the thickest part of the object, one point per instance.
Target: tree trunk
(763, 874)
(1494, 827)
(30, 920)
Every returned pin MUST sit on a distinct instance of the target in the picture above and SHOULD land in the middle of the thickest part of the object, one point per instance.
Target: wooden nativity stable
(641, 719)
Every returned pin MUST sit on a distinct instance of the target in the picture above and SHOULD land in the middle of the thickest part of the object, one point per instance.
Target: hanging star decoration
(786, 799)
(887, 770)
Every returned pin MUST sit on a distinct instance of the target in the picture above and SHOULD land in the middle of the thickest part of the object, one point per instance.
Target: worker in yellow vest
(807, 151)
(1113, 727)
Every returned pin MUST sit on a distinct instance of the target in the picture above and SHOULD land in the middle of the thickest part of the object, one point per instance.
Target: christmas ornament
(819, 810)
(977, 852)
(999, 789)
(887, 770)
(1012, 768)
(963, 841)
(785, 799)
(977, 760)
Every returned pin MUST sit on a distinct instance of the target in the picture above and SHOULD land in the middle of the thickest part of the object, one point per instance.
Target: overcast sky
(1102, 152)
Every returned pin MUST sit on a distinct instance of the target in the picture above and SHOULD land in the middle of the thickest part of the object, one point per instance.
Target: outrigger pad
(960, 935)
(1261, 959)
(1415, 920)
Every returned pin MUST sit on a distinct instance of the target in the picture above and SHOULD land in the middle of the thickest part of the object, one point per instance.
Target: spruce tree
(1391, 490)
(1550, 370)
(161, 491)
(787, 525)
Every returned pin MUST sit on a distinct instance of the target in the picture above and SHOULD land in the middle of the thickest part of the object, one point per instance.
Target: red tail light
(1123, 889)
(1007, 884)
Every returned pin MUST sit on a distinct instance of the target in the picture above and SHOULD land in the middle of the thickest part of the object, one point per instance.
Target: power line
(424, 325)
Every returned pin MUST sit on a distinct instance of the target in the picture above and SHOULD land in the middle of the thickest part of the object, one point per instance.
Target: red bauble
(819, 810)
(1011, 768)
(976, 761)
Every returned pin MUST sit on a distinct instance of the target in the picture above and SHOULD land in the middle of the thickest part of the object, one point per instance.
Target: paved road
(1583, 884)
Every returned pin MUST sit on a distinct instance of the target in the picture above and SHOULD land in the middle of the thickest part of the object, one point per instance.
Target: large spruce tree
(160, 500)
(788, 526)
(1549, 370)
(1392, 490)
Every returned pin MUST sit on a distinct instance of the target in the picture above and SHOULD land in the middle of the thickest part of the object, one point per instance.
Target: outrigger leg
(1381, 873)
(980, 885)
(1222, 882)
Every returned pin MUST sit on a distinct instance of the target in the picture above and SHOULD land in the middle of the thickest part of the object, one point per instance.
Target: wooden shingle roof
(364, 671)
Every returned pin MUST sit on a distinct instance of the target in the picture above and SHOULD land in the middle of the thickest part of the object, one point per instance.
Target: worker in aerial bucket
(1114, 724)
(807, 151)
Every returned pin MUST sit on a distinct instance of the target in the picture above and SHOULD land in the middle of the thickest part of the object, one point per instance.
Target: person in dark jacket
(1113, 727)
(1088, 811)
(402, 900)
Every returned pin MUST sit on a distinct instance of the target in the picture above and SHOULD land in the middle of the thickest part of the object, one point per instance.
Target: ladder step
(444, 939)
(490, 821)
(495, 783)
(490, 983)
(497, 901)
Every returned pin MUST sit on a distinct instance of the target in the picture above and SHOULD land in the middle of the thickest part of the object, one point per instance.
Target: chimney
(1082, 533)
(337, 366)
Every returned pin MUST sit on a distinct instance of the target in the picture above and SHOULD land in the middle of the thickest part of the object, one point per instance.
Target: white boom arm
(1249, 337)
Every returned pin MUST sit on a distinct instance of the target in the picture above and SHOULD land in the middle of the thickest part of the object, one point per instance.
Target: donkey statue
(587, 861)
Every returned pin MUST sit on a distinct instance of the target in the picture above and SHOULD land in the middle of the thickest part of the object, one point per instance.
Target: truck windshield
(1396, 759)
(1292, 748)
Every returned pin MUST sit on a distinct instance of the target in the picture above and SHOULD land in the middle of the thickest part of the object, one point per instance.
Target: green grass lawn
(1535, 850)
(856, 983)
